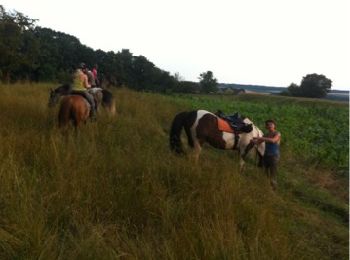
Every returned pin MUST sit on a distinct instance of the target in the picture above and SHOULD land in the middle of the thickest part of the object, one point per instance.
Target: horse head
(54, 97)
(246, 128)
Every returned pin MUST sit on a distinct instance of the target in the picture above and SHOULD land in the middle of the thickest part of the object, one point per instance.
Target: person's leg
(269, 170)
(265, 162)
(273, 172)
(91, 101)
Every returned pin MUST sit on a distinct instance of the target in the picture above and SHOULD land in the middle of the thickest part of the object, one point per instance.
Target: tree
(18, 48)
(178, 77)
(315, 85)
(207, 82)
(293, 90)
(187, 87)
(312, 85)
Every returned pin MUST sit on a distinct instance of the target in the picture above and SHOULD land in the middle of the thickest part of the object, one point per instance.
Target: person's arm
(275, 139)
(86, 82)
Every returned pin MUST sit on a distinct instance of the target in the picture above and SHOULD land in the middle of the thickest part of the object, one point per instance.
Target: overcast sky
(263, 42)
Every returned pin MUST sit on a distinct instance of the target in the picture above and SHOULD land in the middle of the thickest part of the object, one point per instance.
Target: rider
(94, 72)
(81, 85)
(91, 78)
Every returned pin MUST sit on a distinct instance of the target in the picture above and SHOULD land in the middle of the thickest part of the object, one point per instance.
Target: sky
(261, 42)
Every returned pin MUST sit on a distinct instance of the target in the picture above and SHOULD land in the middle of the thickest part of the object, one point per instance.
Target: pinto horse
(102, 97)
(202, 127)
(75, 109)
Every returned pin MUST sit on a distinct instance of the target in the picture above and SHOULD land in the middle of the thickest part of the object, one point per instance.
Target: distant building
(238, 91)
(231, 90)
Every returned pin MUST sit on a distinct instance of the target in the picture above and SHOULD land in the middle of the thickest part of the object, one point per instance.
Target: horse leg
(260, 158)
(197, 148)
(111, 108)
(260, 150)
(63, 116)
(241, 163)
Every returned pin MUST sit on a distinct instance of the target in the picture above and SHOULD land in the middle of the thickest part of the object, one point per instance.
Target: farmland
(114, 190)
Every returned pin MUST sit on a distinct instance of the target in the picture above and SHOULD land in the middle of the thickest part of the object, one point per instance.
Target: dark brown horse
(73, 108)
(202, 127)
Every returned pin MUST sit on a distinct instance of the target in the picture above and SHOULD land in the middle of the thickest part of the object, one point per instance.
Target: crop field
(114, 190)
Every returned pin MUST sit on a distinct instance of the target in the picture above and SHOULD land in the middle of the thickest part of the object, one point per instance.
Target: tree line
(33, 53)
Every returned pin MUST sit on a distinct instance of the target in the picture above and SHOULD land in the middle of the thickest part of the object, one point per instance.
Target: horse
(73, 108)
(202, 126)
(102, 97)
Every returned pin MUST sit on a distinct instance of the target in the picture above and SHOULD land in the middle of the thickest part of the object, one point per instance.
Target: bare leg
(273, 174)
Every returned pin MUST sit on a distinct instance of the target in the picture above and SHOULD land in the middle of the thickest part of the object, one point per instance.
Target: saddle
(232, 123)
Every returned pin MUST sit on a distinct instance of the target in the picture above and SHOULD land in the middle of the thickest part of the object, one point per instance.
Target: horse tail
(108, 101)
(107, 97)
(64, 113)
(175, 133)
(181, 120)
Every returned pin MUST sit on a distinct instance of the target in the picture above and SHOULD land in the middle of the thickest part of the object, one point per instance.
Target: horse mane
(247, 128)
(63, 89)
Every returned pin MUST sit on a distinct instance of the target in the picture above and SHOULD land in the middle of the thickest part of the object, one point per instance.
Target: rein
(236, 141)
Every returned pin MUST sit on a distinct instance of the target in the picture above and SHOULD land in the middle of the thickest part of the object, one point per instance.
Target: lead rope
(256, 146)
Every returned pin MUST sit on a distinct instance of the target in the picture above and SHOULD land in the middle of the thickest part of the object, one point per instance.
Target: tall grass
(114, 190)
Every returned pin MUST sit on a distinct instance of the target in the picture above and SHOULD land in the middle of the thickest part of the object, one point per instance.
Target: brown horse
(101, 96)
(202, 127)
(73, 108)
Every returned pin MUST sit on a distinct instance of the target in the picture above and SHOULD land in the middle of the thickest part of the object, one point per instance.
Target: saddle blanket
(94, 90)
(224, 126)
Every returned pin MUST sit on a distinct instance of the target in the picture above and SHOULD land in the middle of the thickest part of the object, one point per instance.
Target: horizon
(266, 86)
(270, 44)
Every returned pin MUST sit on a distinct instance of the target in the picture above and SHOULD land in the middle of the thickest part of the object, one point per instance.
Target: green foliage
(312, 85)
(17, 45)
(187, 87)
(293, 90)
(207, 82)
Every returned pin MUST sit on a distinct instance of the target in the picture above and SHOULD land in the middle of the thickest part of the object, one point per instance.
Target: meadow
(114, 190)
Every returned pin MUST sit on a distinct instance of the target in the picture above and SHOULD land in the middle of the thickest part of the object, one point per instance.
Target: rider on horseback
(91, 78)
(81, 86)
(94, 72)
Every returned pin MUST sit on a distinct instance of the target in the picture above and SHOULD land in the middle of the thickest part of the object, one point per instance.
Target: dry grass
(115, 191)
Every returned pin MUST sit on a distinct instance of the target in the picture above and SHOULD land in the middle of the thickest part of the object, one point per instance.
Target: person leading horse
(202, 126)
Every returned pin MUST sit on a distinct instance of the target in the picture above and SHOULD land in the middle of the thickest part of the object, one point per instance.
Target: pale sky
(262, 42)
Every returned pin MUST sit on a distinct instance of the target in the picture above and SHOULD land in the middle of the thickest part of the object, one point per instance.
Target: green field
(114, 190)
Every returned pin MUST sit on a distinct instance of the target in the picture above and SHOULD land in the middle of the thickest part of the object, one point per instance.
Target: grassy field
(114, 190)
